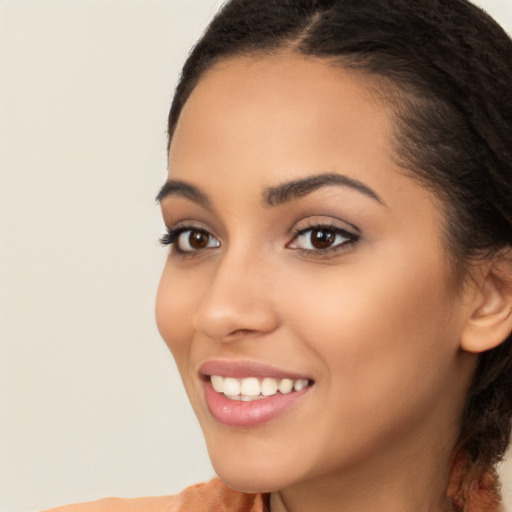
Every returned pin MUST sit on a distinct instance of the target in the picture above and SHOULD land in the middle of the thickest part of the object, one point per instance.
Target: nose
(238, 302)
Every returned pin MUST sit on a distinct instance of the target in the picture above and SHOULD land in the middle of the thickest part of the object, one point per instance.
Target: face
(306, 297)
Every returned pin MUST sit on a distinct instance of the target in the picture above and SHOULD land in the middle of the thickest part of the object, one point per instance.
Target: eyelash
(171, 237)
(350, 239)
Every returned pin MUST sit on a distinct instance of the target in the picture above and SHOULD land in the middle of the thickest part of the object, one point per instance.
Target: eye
(322, 239)
(189, 239)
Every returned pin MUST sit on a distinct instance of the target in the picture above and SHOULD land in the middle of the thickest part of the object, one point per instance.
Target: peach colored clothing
(480, 495)
(211, 496)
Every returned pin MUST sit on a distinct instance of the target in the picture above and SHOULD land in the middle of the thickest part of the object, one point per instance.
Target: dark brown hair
(448, 66)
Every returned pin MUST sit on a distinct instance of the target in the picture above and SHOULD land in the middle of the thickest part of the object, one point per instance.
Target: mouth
(247, 394)
(249, 389)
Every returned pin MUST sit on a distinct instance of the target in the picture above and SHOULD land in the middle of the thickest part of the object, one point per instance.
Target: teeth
(285, 386)
(300, 384)
(252, 388)
(217, 383)
(231, 386)
(268, 386)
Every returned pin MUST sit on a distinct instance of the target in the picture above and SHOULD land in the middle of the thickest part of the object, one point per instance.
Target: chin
(251, 467)
(250, 480)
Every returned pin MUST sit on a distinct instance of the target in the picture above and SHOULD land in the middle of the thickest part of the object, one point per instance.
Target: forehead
(302, 111)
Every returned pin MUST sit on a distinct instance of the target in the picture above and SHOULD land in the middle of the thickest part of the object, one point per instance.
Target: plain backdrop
(90, 402)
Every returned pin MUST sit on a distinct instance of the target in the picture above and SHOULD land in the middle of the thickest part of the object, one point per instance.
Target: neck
(414, 482)
(322, 498)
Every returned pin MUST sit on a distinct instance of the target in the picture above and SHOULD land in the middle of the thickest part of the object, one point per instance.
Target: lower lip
(237, 413)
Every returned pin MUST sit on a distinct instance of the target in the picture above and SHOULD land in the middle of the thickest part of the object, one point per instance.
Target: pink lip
(235, 413)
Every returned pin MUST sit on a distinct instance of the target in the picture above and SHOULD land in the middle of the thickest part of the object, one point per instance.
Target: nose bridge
(238, 300)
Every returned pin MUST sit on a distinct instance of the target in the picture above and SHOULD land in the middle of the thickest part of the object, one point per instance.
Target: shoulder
(212, 496)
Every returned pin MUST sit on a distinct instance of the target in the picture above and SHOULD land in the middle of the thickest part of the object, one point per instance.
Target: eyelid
(171, 237)
(172, 234)
(175, 227)
(350, 239)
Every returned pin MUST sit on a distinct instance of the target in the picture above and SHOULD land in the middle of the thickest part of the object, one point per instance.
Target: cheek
(174, 308)
(379, 329)
(386, 349)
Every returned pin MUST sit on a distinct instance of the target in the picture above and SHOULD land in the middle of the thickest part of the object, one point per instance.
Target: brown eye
(198, 240)
(193, 240)
(322, 238)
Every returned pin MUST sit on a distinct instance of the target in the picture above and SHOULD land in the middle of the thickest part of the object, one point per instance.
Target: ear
(490, 319)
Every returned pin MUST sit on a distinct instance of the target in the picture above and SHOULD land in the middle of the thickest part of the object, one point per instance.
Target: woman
(338, 295)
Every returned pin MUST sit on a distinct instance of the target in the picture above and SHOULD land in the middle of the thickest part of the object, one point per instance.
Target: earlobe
(490, 319)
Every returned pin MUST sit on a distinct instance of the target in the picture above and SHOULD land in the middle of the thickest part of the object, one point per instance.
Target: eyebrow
(291, 190)
(183, 189)
(272, 196)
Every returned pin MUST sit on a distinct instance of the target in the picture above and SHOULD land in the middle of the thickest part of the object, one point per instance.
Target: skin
(377, 323)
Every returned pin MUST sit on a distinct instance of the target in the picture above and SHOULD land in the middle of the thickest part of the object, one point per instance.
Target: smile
(248, 394)
(253, 388)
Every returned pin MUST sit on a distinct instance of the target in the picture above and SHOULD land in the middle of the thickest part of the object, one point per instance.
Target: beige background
(90, 403)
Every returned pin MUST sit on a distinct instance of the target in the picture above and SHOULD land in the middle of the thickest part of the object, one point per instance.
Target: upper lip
(241, 369)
